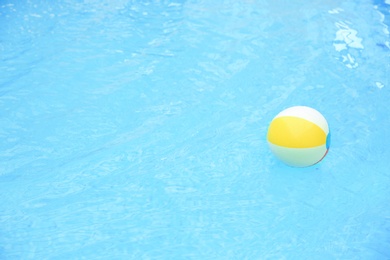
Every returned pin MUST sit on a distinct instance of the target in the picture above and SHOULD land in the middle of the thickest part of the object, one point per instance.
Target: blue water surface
(136, 129)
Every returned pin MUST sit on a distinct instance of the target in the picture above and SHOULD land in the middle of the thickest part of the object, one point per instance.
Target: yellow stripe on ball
(295, 132)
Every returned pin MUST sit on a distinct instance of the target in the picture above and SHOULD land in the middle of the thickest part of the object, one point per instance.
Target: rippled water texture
(136, 129)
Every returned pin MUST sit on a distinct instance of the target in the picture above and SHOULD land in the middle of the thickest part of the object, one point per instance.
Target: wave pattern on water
(136, 129)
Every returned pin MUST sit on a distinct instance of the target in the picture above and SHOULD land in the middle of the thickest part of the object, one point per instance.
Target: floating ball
(299, 136)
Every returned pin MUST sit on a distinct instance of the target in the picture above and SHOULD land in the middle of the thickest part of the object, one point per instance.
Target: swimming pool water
(136, 129)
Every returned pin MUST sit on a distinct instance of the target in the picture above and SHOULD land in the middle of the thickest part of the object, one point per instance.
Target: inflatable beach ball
(299, 136)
